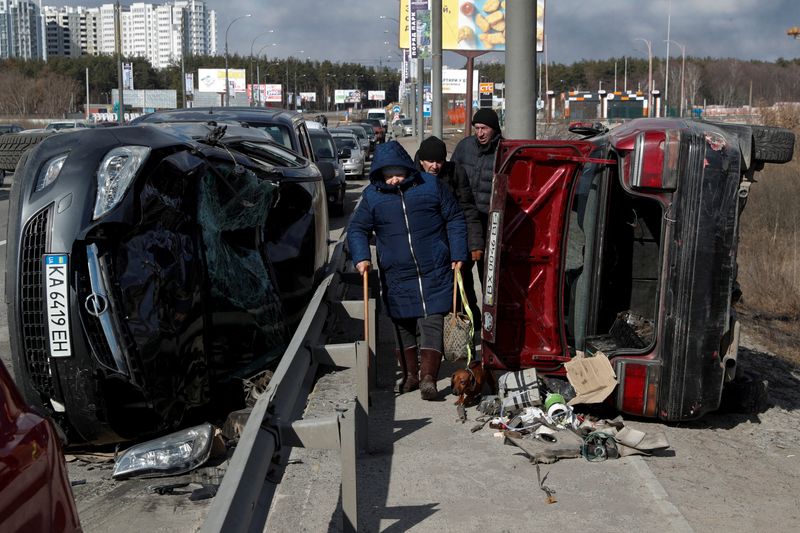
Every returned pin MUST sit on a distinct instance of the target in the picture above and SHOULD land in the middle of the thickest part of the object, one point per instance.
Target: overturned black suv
(149, 267)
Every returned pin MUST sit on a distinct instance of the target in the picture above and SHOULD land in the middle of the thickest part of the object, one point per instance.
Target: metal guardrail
(275, 425)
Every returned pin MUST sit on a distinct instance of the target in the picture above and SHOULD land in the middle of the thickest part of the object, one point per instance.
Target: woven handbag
(458, 329)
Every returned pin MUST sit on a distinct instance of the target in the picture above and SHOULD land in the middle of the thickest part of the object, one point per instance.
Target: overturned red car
(625, 243)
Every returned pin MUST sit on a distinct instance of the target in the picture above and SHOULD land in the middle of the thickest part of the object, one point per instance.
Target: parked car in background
(36, 493)
(635, 235)
(349, 153)
(377, 113)
(379, 129)
(373, 137)
(10, 128)
(332, 171)
(360, 133)
(402, 128)
(65, 125)
(149, 267)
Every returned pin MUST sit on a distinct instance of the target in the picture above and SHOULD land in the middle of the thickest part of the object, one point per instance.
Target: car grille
(92, 327)
(32, 315)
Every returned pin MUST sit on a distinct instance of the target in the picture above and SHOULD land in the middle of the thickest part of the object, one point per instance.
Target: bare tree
(693, 80)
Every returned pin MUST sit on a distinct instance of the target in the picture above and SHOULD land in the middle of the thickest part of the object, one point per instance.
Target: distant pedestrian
(432, 158)
(476, 154)
(421, 237)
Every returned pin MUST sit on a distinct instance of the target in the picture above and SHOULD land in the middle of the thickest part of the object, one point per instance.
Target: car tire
(337, 209)
(772, 145)
(13, 145)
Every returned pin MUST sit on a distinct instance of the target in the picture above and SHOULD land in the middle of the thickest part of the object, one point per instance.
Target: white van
(379, 113)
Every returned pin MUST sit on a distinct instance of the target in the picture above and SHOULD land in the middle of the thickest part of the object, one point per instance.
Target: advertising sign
(308, 97)
(269, 92)
(420, 28)
(127, 76)
(188, 83)
(487, 88)
(454, 81)
(376, 95)
(346, 96)
(469, 25)
(213, 80)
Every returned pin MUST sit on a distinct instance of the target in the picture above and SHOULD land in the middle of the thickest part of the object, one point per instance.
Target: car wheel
(13, 145)
(772, 145)
(337, 209)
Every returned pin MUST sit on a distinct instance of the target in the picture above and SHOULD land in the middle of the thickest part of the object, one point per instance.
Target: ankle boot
(411, 368)
(401, 360)
(431, 360)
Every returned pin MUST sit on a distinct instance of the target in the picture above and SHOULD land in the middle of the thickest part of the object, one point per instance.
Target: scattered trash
(203, 493)
(170, 488)
(547, 490)
(78, 482)
(255, 386)
(593, 378)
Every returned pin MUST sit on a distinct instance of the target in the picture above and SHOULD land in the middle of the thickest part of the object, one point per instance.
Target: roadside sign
(426, 109)
(396, 109)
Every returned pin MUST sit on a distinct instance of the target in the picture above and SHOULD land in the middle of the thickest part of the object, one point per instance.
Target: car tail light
(637, 393)
(655, 160)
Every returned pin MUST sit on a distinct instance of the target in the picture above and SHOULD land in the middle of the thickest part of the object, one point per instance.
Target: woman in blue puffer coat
(421, 236)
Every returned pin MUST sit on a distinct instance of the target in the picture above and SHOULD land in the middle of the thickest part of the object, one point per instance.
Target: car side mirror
(345, 153)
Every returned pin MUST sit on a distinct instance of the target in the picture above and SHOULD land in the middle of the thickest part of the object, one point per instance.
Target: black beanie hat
(432, 149)
(488, 117)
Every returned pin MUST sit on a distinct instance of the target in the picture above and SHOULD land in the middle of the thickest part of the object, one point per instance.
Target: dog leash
(467, 309)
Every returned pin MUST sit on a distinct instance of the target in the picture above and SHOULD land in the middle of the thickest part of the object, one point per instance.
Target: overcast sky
(350, 30)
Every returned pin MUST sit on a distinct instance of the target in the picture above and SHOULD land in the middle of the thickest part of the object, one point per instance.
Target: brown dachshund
(467, 383)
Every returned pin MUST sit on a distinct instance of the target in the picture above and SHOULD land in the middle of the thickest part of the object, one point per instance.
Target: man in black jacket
(476, 154)
(431, 157)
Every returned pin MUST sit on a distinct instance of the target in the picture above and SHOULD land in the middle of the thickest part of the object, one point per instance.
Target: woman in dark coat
(421, 237)
(431, 157)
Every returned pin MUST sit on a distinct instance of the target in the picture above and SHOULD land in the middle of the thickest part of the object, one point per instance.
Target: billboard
(213, 80)
(420, 29)
(470, 25)
(308, 97)
(346, 96)
(376, 95)
(265, 92)
(454, 81)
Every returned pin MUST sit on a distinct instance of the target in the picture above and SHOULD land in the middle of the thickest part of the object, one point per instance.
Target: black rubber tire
(13, 145)
(772, 145)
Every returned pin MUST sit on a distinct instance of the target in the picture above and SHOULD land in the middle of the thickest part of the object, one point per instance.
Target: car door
(522, 310)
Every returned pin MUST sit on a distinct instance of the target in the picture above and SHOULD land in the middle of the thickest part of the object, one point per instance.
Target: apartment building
(20, 29)
(159, 32)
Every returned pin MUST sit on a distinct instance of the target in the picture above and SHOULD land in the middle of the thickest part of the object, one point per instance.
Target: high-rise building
(159, 32)
(20, 29)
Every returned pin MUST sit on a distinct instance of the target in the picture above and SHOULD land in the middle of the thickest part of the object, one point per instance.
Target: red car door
(528, 212)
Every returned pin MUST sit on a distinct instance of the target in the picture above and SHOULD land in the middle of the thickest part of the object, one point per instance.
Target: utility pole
(87, 94)
(118, 46)
(520, 70)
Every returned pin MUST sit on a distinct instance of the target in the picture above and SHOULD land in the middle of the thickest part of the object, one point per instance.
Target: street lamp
(227, 83)
(649, 75)
(683, 65)
(258, 72)
(252, 44)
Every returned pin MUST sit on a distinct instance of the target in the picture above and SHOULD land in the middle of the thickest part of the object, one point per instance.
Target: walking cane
(365, 277)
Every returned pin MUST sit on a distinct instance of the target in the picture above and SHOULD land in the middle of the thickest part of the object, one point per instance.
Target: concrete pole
(420, 99)
(436, 67)
(86, 110)
(520, 69)
(118, 46)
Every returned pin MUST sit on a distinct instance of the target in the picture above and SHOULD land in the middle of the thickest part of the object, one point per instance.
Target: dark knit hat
(488, 117)
(432, 149)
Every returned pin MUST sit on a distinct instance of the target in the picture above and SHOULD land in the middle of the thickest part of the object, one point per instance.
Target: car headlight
(50, 172)
(116, 174)
(173, 454)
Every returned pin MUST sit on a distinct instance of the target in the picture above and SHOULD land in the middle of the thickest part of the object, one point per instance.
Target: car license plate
(56, 268)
